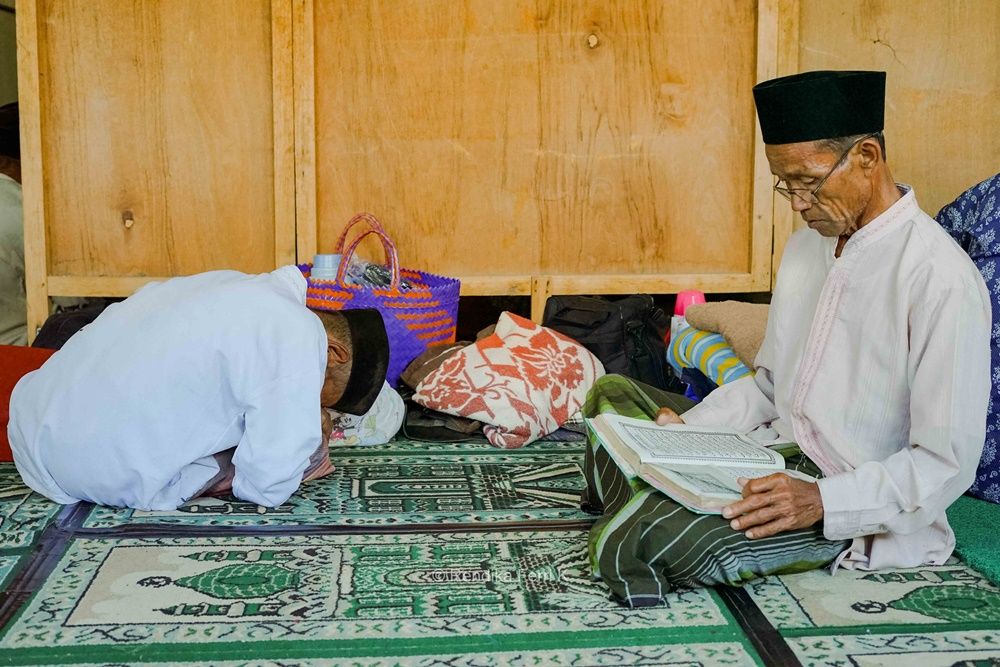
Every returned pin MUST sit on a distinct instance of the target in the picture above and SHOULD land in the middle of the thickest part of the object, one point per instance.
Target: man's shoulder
(937, 264)
(935, 248)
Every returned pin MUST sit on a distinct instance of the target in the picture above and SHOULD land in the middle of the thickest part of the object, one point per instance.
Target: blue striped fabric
(708, 352)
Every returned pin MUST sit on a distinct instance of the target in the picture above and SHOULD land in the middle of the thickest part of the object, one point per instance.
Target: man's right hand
(666, 416)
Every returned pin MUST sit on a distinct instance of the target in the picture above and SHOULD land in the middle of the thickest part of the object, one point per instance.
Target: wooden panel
(788, 63)
(32, 177)
(507, 137)
(161, 111)
(762, 222)
(943, 65)
(283, 148)
(125, 286)
(306, 238)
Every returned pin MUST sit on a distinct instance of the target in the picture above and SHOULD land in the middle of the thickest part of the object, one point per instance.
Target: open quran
(695, 465)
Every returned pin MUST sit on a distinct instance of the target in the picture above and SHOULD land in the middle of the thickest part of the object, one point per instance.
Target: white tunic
(130, 411)
(877, 363)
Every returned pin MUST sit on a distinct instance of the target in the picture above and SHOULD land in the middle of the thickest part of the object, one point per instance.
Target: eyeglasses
(809, 196)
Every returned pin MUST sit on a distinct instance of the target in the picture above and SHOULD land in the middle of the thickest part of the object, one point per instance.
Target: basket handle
(372, 221)
(391, 257)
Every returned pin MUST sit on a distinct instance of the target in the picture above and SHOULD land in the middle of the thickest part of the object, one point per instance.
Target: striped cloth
(708, 352)
(644, 543)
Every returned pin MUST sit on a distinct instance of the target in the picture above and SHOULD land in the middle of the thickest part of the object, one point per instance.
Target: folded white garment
(375, 427)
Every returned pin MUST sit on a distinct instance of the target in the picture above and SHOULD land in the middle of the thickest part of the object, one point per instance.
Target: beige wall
(942, 60)
(527, 147)
(8, 59)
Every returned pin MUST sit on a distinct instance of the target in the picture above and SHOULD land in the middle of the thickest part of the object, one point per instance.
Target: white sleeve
(282, 430)
(743, 404)
(949, 375)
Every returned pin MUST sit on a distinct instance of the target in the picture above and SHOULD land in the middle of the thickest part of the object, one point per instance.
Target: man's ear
(871, 153)
(336, 352)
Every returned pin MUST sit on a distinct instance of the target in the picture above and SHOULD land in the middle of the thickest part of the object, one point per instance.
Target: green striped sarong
(645, 543)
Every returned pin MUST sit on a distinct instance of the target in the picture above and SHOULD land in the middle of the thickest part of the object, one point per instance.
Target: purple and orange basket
(423, 314)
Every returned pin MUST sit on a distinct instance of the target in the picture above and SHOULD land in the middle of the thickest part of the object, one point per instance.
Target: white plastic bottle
(325, 267)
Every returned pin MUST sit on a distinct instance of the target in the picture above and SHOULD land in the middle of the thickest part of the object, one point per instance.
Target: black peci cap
(370, 360)
(10, 135)
(820, 105)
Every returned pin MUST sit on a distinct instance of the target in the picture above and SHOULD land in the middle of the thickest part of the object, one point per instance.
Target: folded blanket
(707, 351)
(429, 361)
(741, 324)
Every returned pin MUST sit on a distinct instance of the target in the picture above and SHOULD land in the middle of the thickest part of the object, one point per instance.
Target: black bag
(625, 334)
(61, 326)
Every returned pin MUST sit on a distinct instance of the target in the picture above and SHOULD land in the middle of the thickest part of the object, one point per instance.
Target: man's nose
(799, 204)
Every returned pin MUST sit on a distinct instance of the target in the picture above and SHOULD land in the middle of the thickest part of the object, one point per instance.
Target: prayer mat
(690, 655)
(23, 513)
(404, 483)
(976, 648)
(977, 539)
(350, 596)
(883, 601)
(8, 565)
(934, 615)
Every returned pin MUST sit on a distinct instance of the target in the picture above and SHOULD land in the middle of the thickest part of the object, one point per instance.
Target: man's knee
(605, 382)
(605, 387)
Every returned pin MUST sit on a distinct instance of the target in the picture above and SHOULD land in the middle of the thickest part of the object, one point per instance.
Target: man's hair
(337, 328)
(10, 132)
(841, 144)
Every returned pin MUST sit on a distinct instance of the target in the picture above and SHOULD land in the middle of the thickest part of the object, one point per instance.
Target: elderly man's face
(837, 207)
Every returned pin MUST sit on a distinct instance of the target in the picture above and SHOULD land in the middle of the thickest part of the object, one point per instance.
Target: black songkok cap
(820, 105)
(10, 144)
(370, 360)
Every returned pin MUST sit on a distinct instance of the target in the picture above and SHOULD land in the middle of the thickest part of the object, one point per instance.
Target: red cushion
(15, 362)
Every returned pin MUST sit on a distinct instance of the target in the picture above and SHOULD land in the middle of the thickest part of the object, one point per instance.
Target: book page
(730, 475)
(691, 446)
(722, 479)
(705, 482)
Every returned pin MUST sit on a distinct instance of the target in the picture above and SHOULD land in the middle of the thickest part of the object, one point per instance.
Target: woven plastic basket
(417, 316)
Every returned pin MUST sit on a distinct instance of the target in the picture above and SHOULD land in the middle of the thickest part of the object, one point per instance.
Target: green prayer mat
(398, 559)
(346, 596)
(23, 513)
(977, 648)
(977, 538)
(404, 483)
(8, 566)
(719, 654)
(914, 616)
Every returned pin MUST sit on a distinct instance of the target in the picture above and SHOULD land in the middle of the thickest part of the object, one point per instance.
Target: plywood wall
(157, 136)
(514, 137)
(527, 146)
(942, 60)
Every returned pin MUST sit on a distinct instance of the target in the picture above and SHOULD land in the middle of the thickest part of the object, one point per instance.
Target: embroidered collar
(903, 209)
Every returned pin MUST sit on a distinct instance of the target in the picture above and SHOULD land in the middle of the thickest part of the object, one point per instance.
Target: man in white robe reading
(193, 386)
(875, 362)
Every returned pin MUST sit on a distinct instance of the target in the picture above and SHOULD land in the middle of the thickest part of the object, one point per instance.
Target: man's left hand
(775, 504)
